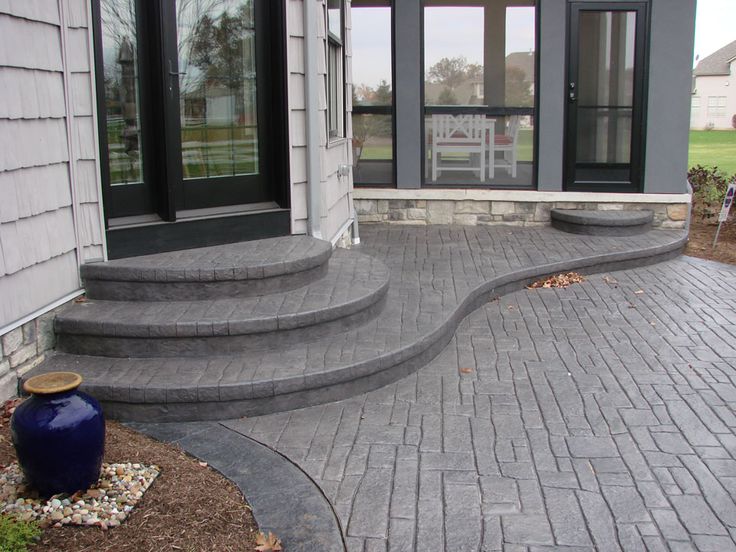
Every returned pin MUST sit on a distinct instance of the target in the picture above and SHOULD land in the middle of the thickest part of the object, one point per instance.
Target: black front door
(605, 96)
(187, 104)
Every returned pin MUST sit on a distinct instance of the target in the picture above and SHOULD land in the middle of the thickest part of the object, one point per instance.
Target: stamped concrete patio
(598, 417)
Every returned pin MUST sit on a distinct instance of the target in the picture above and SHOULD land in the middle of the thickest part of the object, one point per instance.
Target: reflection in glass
(372, 92)
(604, 135)
(122, 102)
(606, 87)
(607, 44)
(217, 87)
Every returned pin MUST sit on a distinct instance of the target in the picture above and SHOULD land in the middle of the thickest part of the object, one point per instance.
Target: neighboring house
(130, 126)
(714, 90)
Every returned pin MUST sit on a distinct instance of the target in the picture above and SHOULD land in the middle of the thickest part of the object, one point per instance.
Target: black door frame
(163, 191)
(639, 111)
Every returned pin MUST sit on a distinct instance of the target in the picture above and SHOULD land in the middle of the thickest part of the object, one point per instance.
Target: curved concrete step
(602, 223)
(412, 329)
(349, 294)
(242, 269)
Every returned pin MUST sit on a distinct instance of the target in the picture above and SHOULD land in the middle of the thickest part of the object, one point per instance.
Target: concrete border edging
(284, 499)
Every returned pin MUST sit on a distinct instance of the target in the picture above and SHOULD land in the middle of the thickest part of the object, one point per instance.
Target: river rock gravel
(105, 505)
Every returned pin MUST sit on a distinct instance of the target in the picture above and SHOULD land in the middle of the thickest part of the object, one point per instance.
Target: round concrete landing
(243, 269)
(602, 223)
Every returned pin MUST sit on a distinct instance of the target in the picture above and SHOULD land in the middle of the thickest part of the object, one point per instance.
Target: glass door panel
(217, 89)
(220, 101)
(187, 91)
(605, 96)
(129, 193)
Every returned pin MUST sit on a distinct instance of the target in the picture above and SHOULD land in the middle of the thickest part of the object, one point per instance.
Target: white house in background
(714, 90)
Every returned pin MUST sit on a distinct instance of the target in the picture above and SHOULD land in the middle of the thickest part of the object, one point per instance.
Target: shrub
(16, 535)
(709, 188)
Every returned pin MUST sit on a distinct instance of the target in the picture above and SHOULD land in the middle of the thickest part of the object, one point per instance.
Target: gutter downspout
(311, 96)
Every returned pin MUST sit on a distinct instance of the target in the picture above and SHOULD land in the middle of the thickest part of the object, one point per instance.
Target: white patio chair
(507, 143)
(459, 134)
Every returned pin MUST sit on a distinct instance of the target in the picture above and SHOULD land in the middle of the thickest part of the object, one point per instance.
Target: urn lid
(52, 382)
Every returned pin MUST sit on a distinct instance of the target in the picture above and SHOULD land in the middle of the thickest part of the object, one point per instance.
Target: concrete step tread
(250, 260)
(589, 217)
(353, 282)
(438, 276)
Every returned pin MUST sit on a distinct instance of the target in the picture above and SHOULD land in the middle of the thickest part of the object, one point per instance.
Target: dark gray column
(494, 54)
(552, 88)
(668, 115)
(408, 82)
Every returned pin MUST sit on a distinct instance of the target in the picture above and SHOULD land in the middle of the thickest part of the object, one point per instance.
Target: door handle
(174, 73)
(573, 95)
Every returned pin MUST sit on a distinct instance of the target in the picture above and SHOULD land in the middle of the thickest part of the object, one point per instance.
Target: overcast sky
(715, 25)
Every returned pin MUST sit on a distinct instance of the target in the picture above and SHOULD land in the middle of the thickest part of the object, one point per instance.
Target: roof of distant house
(718, 62)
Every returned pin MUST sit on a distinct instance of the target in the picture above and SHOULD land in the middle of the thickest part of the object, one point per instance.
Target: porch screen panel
(121, 91)
(216, 44)
(606, 91)
(372, 116)
(479, 71)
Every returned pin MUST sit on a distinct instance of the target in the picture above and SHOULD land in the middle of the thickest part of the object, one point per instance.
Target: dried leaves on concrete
(558, 281)
(188, 508)
(268, 543)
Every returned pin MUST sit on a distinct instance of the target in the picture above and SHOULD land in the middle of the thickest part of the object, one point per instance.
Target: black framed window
(373, 98)
(480, 72)
(335, 70)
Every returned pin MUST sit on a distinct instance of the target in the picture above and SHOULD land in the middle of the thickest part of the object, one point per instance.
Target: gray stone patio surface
(437, 276)
(598, 417)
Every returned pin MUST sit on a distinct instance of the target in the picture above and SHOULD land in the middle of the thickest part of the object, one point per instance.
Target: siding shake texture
(38, 263)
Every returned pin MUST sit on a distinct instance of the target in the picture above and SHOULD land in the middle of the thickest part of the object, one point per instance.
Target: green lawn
(713, 148)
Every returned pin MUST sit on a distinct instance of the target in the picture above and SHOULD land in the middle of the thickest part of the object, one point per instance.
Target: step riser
(228, 409)
(134, 347)
(111, 290)
(591, 230)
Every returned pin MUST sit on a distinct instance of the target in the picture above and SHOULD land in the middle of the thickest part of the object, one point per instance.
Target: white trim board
(517, 195)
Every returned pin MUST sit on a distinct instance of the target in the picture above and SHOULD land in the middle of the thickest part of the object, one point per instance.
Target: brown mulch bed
(701, 241)
(189, 508)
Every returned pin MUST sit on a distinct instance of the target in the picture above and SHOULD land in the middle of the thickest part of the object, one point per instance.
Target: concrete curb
(285, 500)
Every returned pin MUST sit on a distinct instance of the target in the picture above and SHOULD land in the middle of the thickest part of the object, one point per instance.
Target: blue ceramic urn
(58, 434)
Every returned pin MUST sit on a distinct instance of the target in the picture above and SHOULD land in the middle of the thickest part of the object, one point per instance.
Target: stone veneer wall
(23, 348)
(518, 213)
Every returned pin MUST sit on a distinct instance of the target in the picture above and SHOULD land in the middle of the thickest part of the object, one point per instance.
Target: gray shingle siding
(38, 237)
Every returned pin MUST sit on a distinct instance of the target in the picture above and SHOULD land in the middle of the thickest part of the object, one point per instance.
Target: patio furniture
(460, 135)
(507, 143)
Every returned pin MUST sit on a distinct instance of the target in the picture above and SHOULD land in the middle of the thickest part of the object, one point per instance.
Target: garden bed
(701, 241)
(189, 507)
